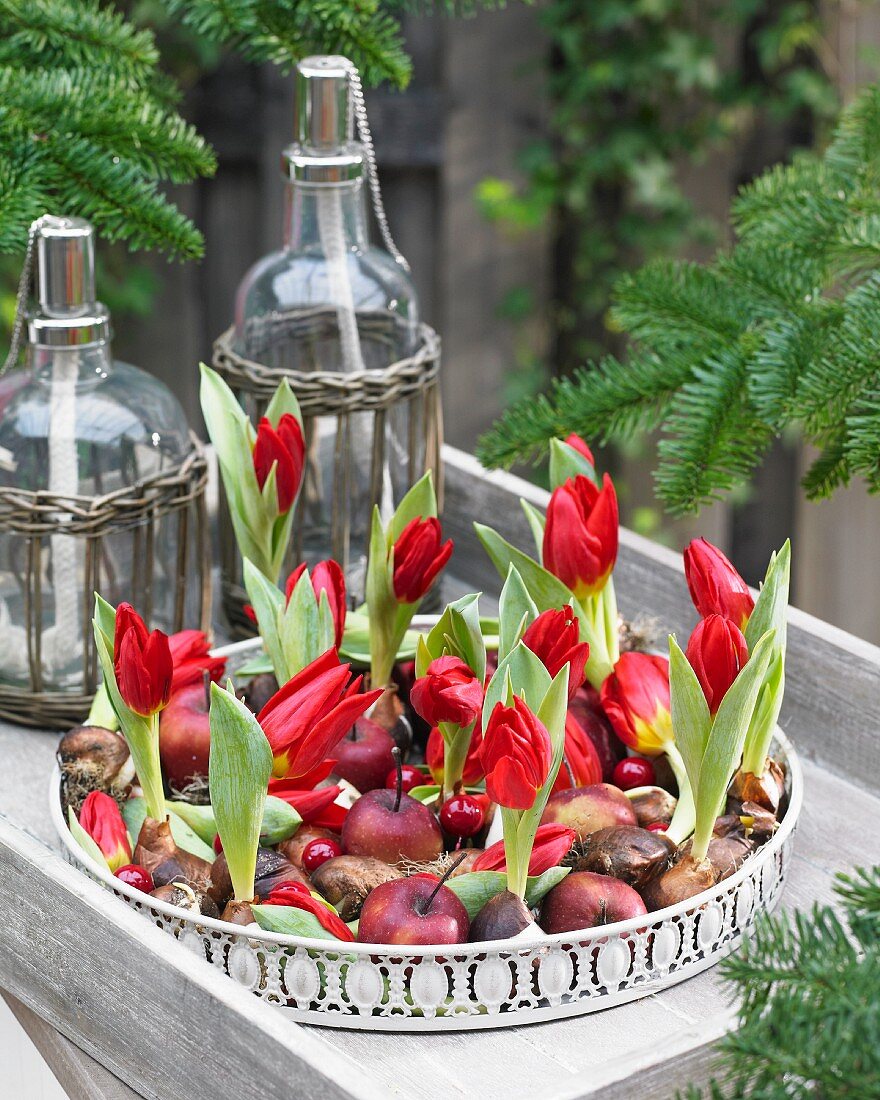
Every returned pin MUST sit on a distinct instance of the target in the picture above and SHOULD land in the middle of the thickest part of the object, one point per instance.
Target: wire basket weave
(161, 521)
(352, 412)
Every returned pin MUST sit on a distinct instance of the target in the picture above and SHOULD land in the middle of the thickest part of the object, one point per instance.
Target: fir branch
(714, 439)
(778, 333)
(86, 127)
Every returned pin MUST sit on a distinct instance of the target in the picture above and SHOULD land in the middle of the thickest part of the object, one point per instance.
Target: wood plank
(140, 1004)
(81, 1077)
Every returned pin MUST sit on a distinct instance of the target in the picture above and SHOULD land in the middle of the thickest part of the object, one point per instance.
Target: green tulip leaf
(520, 672)
(306, 626)
(538, 888)
(267, 601)
(426, 793)
(771, 605)
(566, 462)
(280, 821)
(516, 612)
(239, 768)
(537, 522)
(547, 591)
(474, 888)
(420, 502)
(283, 401)
(691, 721)
(290, 921)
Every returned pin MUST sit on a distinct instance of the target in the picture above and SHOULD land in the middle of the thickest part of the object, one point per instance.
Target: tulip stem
(456, 745)
(151, 779)
(684, 817)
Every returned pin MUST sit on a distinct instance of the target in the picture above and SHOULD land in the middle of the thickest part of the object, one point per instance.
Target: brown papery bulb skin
(345, 881)
(158, 853)
(238, 912)
(652, 805)
(92, 758)
(686, 879)
(628, 853)
(766, 791)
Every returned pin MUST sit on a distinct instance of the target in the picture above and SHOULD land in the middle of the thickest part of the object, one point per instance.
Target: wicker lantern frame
(133, 509)
(412, 383)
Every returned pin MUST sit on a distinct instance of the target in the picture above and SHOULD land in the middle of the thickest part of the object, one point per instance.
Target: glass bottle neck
(89, 364)
(312, 211)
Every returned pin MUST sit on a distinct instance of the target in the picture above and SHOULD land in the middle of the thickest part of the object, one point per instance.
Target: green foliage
(809, 1016)
(88, 127)
(637, 91)
(778, 332)
(283, 31)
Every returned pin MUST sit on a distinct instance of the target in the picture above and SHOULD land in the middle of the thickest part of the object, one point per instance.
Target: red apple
(585, 900)
(588, 809)
(419, 910)
(185, 737)
(363, 757)
(392, 826)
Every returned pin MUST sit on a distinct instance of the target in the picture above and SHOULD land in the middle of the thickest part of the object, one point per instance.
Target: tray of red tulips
(379, 820)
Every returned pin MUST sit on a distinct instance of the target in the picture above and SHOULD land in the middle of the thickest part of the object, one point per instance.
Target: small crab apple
(318, 851)
(138, 877)
(634, 771)
(462, 816)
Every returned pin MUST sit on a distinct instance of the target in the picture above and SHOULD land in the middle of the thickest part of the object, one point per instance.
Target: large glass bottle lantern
(338, 316)
(101, 488)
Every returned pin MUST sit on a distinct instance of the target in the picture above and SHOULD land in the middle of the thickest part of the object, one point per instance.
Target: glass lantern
(98, 479)
(329, 304)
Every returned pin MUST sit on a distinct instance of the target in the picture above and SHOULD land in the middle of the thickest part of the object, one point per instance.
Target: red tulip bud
(419, 556)
(554, 637)
(448, 692)
(283, 447)
(101, 819)
(142, 663)
(552, 844)
(516, 755)
(577, 444)
(636, 699)
(717, 651)
(715, 586)
(581, 533)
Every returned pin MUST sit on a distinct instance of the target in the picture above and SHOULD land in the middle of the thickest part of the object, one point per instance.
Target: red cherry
(218, 844)
(318, 851)
(138, 877)
(634, 771)
(656, 827)
(462, 815)
(412, 777)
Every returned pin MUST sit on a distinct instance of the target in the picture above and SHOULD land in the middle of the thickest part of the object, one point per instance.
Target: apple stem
(206, 682)
(395, 752)
(570, 771)
(423, 911)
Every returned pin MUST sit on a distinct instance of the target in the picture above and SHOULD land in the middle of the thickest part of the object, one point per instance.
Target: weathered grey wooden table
(119, 1009)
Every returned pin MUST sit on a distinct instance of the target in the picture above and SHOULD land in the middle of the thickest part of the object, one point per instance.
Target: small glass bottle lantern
(101, 489)
(338, 317)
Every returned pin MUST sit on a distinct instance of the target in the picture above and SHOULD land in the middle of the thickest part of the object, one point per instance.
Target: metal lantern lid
(324, 150)
(68, 313)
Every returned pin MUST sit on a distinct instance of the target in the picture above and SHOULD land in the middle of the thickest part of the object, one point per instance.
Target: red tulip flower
(554, 637)
(552, 844)
(297, 895)
(314, 807)
(516, 755)
(284, 448)
(101, 819)
(636, 699)
(577, 444)
(717, 651)
(191, 657)
(581, 533)
(580, 756)
(326, 576)
(419, 556)
(448, 692)
(435, 753)
(142, 663)
(715, 586)
(311, 713)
